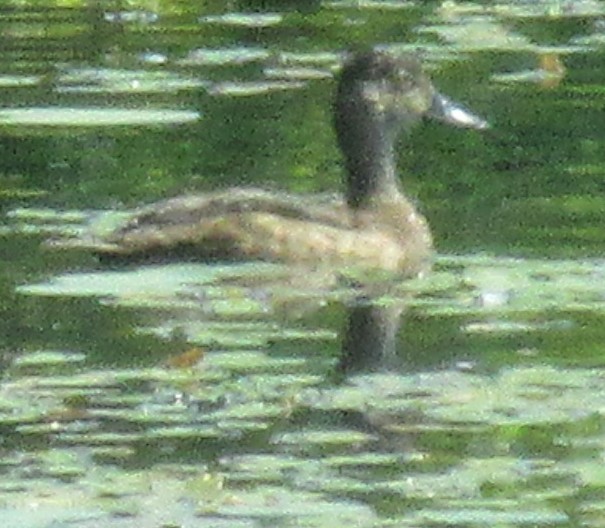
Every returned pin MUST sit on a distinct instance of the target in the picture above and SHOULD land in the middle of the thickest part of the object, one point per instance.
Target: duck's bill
(445, 110)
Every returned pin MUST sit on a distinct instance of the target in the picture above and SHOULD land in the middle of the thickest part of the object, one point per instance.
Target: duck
(373, 226)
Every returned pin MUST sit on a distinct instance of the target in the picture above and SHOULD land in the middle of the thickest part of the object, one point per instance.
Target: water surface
(193, 394)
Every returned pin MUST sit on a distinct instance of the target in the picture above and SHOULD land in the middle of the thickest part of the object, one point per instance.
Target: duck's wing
(224, 224)
(253, 224)
(193, 209)
(259, 225)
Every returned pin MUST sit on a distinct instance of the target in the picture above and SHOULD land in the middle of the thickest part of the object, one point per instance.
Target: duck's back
(256, 224)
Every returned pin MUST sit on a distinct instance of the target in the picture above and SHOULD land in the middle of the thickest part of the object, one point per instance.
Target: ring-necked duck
(374, 227)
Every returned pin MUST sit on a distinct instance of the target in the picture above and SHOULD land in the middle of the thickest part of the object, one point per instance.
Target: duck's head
(378, 94)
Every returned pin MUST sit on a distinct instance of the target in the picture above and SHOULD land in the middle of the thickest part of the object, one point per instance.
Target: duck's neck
(367, 140)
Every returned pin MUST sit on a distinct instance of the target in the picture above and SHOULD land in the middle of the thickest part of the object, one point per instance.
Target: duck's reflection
(369, 338)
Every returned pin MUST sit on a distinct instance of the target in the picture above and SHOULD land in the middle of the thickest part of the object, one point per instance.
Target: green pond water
(194, 394)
